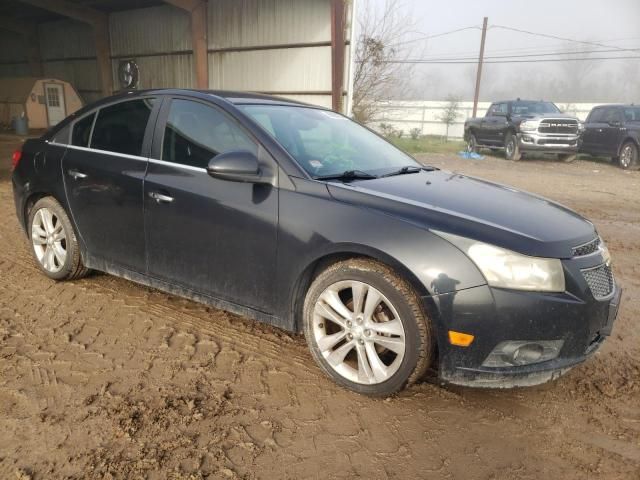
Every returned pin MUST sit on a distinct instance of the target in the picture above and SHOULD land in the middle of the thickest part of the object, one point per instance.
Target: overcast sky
(614, 23)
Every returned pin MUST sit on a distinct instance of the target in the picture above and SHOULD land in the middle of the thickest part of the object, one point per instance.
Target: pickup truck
(613, 131)
(520, 126)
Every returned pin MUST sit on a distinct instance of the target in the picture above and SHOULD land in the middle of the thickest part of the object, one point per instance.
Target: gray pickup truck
(520, 126)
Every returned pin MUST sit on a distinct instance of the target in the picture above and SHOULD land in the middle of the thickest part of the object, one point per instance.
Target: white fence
(425, 115)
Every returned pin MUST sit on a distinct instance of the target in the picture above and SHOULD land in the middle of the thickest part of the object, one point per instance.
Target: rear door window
(195, 133)
(82, 131)
(120, 128)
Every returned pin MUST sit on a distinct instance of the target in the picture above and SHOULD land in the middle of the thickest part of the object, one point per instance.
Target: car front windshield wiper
(347, 175)
(403, 171)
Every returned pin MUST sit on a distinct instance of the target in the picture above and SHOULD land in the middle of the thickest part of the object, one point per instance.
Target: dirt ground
(102, 378)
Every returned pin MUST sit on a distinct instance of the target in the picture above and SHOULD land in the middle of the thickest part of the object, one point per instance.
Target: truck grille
(586, 248)
(558, 125)
(600, 281)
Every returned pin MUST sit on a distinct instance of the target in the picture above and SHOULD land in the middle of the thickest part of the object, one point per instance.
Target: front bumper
(495, 315)
(546, 143)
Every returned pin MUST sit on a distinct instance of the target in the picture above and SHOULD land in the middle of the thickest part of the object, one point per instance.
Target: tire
(472, 143)
(628, 158)
(511, 147)
(567, 157)
(54, 242)
(375, 356)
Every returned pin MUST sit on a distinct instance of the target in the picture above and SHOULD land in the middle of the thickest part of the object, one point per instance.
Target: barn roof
(16, 89)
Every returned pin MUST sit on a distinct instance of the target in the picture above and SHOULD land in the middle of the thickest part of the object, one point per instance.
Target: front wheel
(629, 156)
(511, 147)
(366, 328)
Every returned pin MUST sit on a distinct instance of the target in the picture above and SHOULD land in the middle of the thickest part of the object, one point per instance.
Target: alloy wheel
(359, 332)
(625, 156)
(49, 240)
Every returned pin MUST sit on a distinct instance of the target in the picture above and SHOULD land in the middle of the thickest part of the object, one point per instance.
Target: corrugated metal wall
(68, 52)
(275, 46)
(13, 55)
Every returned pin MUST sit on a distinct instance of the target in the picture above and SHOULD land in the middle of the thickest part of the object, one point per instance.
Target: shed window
(53, 98)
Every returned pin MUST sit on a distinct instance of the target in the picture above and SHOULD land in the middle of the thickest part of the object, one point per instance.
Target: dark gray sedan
(296, 216)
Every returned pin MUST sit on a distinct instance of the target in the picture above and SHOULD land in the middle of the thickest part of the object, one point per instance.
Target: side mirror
(236, 166)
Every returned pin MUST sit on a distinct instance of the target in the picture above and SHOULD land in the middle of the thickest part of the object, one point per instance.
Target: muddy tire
(366, 328)
(472, 143)
(54, 242)
(628, 158)
(511, 147)
(567, 157)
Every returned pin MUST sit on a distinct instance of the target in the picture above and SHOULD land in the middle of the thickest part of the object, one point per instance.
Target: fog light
(527, 139)
(516, 353)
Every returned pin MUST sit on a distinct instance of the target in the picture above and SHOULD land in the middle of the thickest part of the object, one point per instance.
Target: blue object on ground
(21, 125)
(470, 155)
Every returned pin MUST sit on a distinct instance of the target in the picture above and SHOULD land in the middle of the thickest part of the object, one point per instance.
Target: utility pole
(480, 59)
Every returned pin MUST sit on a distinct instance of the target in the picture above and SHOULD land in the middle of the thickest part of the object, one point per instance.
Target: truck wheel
(511, 148)
(567, 157)
(472, 144)
(629, 156)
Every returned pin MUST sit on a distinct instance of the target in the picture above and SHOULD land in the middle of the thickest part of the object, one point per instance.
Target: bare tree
(382, 31)
(450, 113)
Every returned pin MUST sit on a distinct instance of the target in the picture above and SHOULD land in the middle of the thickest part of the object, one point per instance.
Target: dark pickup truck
(613, 131)
(520, 126)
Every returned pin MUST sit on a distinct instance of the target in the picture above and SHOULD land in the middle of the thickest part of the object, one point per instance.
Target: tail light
(15, 159)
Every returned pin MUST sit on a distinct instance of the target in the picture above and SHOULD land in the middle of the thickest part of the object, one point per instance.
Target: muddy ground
(102, 378)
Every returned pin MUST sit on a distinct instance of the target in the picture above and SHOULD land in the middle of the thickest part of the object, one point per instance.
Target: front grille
(586, 248)
(558, 125)
(600, 281)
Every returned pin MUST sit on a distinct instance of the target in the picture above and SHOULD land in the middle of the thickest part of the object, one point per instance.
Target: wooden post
(197, 10)
(337, 54)
(100, 23)
(476, 95)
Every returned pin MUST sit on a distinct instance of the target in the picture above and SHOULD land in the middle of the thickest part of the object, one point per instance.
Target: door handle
(160, 198)
(76, 175)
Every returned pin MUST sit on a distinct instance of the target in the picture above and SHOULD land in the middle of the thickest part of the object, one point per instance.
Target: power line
(546, 54)
(546, 35)
(541, 60)
(428, 37)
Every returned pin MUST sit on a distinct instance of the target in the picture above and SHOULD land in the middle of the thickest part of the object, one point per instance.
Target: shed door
(54, 94)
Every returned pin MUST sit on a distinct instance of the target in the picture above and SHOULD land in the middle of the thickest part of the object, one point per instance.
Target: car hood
(475, 208)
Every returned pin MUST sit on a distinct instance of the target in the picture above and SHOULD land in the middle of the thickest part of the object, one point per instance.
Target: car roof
(235, 97)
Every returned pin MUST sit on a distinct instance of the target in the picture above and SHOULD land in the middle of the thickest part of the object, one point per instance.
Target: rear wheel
(511, 148)
(54, 242)
(628, 158)
(366, 328)
(567, 157)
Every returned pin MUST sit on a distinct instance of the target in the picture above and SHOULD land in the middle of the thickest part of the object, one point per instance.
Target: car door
(493, 122)
(212, 236)
(611, 131)
(591, 137)
(103, 172)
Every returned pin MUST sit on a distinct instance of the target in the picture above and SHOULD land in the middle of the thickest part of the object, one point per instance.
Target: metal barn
(293, 48)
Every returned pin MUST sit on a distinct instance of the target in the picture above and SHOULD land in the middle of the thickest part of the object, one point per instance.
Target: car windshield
(533, 108)
(325, 143)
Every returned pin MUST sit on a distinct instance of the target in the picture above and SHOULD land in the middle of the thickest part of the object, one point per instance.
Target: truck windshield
(533, 108)
(325, 143)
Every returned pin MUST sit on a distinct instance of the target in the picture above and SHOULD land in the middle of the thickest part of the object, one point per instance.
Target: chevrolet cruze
(298, 217)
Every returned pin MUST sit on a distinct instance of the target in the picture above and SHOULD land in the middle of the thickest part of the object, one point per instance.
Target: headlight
(506, 269)
(528, 126)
